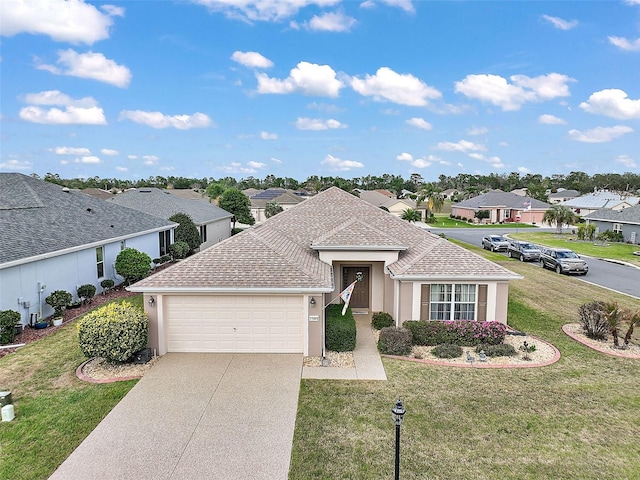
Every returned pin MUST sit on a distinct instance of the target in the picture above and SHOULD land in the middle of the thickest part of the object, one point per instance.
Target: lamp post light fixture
(312, 301)
(397, 414)
(152, 302)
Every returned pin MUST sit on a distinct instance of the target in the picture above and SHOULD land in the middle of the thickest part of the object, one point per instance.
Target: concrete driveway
(208, 416)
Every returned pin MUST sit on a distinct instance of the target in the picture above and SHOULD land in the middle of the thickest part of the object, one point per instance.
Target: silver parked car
(563, 260)
(495, 243)
(523, 251)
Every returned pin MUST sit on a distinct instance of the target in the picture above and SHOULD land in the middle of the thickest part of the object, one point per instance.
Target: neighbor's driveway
(205, 416)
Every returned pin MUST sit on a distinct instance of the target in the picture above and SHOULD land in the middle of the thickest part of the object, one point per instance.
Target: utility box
(5, 399)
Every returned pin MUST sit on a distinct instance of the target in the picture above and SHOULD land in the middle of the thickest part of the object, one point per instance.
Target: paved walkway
(204, 416)
(368, 365)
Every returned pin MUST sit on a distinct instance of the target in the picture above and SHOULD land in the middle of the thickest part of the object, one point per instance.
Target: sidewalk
(368, 365)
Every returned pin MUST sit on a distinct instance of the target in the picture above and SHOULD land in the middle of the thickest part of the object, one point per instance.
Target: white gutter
(359, 248)
(161, 290)
(456, 278)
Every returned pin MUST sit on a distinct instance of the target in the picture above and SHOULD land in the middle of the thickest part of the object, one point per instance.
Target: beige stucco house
(264, 290)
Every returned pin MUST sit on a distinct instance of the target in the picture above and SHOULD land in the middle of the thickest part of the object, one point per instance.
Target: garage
(234, 323)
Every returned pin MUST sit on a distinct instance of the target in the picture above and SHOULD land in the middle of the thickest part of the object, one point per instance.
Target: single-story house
(625, 221)
(503, 207)
(213, 222)
(562, 195)
(265, 289)
(52, 238)
(591, 202)
(286, 200)
(393, 205)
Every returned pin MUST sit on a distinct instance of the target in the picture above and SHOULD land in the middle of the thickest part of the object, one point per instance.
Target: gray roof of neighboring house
(187, 193)
(626, 215)
(284, 199)
(38, 218)
(163, 204)
(565, 194)
(281, 253)
(601, 199)
(500, 199)
(97, 193)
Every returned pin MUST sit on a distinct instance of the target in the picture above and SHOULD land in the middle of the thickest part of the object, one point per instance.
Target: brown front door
(360, 295)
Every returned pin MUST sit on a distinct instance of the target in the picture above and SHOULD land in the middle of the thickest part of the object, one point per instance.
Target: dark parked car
(523, 251)
(495, 243)
(563, 260)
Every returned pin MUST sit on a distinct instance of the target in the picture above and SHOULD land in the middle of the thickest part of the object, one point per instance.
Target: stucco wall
(216, 232)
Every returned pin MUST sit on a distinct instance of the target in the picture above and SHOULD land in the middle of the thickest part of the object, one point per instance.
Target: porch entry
(360, 295)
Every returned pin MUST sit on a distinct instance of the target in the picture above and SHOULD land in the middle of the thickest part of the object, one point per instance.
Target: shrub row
(457, 332)
(8, 321)
(340, 330)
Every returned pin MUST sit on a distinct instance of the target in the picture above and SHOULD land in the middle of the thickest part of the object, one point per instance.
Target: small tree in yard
(237, 203)
(187, 231)
(132, 265)
(8, 321)
(272, 208)
(58, 300)
(559, 215)
(411, 215)
(179, 250)
(86, 292)
(482, 214)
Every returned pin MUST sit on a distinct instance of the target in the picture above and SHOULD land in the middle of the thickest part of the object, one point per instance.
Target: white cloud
(461, 146)
(256, 165)
(72, 151)
(498, 91)
(551, 120)
(524, 170)
(403, 89)
(477, 131)
(132, 157)
(405, 157)
(406, 5)
(317, 124)
(150, 160)
(560, 23)
(109, 151)
(72, 21)
(56, 97)
(261, 10)
(612, 103)
(251, 59)
(237, 167)
(627, 161)
(69, 116)
(599, 134)
(306, 78)
(268, 136)
(122, 169)
(90, 65)
(275, 160)
(112, 10)
(494, 161)
(624, 44)
(339, 165)
(331, 22)
(420, 123)
(16, 165)
(91, 159)
(160, 120)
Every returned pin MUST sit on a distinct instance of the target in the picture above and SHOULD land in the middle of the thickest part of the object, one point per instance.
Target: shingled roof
(281, 253)
(39, 218)
(500, 199)
(626, 215)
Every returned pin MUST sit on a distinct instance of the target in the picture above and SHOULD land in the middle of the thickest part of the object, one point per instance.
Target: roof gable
(502, 200)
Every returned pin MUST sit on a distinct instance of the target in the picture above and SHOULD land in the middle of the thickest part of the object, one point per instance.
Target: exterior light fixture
(152, 302)
(397, 414)
(312, 301)
(359, 276)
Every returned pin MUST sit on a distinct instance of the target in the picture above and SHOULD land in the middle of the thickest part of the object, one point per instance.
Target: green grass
(444, 221)
(54, 410)
(614, 251)
(577, 418)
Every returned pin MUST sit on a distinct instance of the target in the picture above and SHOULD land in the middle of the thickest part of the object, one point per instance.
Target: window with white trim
(617, 227)
(100, 261)
(452, 301)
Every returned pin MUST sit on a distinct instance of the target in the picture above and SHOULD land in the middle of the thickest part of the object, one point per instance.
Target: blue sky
(216, 88)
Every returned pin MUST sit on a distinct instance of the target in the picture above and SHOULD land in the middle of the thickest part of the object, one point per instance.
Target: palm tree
(559, 215)
(411, 215)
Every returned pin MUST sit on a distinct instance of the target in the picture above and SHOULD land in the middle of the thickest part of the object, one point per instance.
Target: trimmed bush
(58, 300)
(186, 232)
(395, 341)
(8, 321)
(107, 284)
(179, 250)
(446, 350)
(593, 320)
(340, 330)
(379, 320)
(501, 350)
(114, 332)
(457, 332)
(86, 292)
(133, 265)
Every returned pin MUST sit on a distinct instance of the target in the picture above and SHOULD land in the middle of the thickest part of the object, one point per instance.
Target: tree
(272, 208)
(237, 203)
(215, 190)
(482, 214)
(411, 215)
(559, 215)
(132, 264)
(187, 231)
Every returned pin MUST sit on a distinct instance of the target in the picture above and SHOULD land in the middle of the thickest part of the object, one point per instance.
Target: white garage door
(229, 323)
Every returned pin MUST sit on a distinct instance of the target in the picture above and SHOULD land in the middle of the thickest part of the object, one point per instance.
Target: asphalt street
(621, 278)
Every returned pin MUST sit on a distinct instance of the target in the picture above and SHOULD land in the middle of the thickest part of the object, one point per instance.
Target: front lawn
(577, 418)
(445, 221)
(54, 410)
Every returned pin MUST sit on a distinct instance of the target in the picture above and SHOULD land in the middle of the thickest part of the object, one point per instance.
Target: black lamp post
(397, 414)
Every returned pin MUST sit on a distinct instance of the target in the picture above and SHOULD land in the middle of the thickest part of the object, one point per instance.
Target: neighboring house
(562, 195)
(188, 194)
(286, 200)
(521, 192)
(449, 193)
(98, 193)
(503, 207)
(592, 202)
(625, 221)
(265, 289)
(52, 238)
(393, 205)
(213, 222)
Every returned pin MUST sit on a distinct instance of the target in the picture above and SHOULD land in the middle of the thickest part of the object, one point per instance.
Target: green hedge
(8, 321)
(341, 330)
(459, 332)
(114, 332)
(379, 320)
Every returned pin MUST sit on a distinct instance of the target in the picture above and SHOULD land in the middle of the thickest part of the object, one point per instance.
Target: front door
(360, 295)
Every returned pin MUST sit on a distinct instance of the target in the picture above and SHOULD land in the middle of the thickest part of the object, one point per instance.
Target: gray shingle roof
(626, 215)
(281, 252)
(38, 218)
(163, 204)
(502, 200)
(601, 199)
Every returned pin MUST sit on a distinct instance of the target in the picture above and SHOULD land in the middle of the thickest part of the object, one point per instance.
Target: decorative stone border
(556, 357)
(85, 378)
(597, 348)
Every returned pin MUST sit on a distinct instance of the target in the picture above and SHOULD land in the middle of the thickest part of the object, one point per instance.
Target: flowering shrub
(456, 332)
(114, 332)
